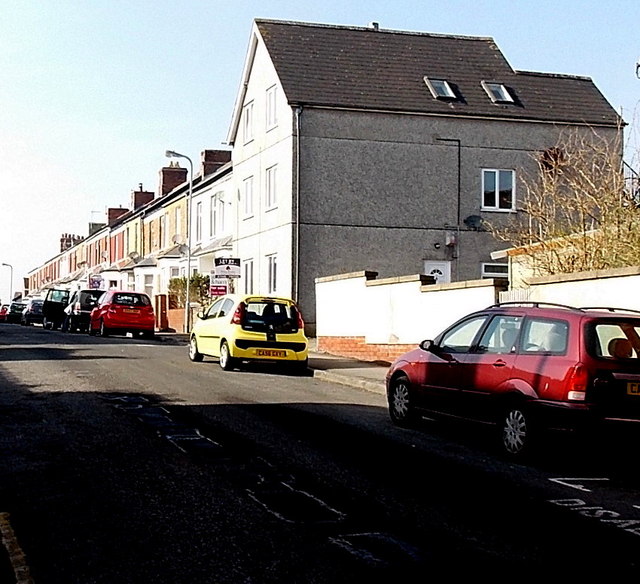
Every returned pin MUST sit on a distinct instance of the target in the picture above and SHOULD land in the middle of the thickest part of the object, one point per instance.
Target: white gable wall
(267, 229)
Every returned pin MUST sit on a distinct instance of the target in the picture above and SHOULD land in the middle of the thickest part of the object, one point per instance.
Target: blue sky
(92, 92)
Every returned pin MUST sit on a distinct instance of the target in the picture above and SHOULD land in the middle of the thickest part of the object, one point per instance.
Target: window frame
(248, 270)
(272, 273)
(247, 123)
(271, 107)
(497, 92)
(216, 214)
(486, 275)
(496, 207)
(198, 221)
(436, 85)
(247, 196)
(271, 187)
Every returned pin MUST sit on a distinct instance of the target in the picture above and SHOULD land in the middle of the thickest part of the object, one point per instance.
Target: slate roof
(366, 68)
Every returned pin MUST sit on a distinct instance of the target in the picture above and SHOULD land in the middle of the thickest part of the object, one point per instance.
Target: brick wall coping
(589, 275)
(484, 282)
(368, 274)
(422, 278)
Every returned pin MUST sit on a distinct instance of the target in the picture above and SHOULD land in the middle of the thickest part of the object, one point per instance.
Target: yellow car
(239, 328)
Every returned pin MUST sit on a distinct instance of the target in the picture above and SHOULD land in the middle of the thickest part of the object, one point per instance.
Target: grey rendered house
(362, 148)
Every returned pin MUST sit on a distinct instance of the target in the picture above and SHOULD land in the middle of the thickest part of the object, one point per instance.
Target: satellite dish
(134, 255)
(474, 222)
(177, 239)
(183, 249)
(104, 255)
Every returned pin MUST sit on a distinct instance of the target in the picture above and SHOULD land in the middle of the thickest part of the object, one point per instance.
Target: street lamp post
(187, 308)
(10, 281)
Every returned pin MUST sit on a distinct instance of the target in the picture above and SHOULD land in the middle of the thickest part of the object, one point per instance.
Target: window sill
(496, 210)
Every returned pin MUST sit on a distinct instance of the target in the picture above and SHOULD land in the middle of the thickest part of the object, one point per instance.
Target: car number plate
(270, 353)
(633, 388)
(131, 310)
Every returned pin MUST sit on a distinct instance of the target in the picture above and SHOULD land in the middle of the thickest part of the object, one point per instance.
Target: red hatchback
(123, 312)
(526, 367)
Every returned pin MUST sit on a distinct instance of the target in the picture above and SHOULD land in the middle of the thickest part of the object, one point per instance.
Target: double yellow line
(16, 555)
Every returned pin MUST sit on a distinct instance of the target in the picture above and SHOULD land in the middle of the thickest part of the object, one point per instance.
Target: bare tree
(576, 213)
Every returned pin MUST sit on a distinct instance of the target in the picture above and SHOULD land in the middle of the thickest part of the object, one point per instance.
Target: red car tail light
(300, 319)
(238, 314)
(577, 382)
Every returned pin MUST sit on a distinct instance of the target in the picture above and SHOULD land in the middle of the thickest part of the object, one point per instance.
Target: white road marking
(567, 482)
(16, 555)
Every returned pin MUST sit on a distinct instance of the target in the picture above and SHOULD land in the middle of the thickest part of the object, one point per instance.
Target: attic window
(497, 92)
(440, 88)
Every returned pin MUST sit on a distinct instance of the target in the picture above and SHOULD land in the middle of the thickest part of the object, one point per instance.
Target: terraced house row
(350, 148)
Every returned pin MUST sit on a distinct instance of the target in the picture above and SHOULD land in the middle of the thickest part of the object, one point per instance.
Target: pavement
(365, 375)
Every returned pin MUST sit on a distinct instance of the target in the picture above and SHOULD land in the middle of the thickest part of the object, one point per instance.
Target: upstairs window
(270, 187)
(440, 88)
(497, 92)
(247, 122)
(216, 218)
(247, 188)
(272, 119)
(498, 190)
(199, 221)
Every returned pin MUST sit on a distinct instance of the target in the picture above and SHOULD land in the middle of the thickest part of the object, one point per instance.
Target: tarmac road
(124, 462)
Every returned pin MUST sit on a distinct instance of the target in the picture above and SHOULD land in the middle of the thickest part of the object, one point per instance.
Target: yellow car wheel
(227, 362)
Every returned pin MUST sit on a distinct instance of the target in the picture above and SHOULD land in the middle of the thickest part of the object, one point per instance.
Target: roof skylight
(440, 88)
(497, 92)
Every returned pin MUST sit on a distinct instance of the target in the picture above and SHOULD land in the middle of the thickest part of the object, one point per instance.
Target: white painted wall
(268, 229)
(404, 311)
(395, 310)
(614, 288)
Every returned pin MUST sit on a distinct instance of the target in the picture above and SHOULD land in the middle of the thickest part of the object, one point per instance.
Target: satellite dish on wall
(177, 239)
(474, 222)
(134, 255)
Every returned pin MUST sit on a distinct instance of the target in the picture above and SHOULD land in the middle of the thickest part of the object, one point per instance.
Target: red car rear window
(125, 299)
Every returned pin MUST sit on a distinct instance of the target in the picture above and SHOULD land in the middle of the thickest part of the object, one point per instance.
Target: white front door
(441, 271)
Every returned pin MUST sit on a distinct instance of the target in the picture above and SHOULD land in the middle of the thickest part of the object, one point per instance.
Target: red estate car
(123, 312)
(525, 367)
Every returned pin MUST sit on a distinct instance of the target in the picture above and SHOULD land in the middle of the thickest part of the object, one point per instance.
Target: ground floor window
(495, 270)
(272, 272)
(248, 276)
(148, 285)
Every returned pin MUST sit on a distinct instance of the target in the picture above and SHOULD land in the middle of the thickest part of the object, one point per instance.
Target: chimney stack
(114, 214)
(171, 176)
(212, 160)
(68, 240)
(140, 198)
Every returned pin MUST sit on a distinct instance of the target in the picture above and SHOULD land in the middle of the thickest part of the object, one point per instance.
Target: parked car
(78, 311)
(4, 309)
(32, 312)
(239, 328)
(53, 307)
(122, 312)
(527, 368)
(16, 307)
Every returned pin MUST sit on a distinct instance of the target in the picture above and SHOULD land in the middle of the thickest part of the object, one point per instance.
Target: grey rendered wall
(380, 191)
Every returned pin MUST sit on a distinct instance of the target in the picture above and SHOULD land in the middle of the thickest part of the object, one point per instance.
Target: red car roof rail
(535, 304)
(610, 309)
